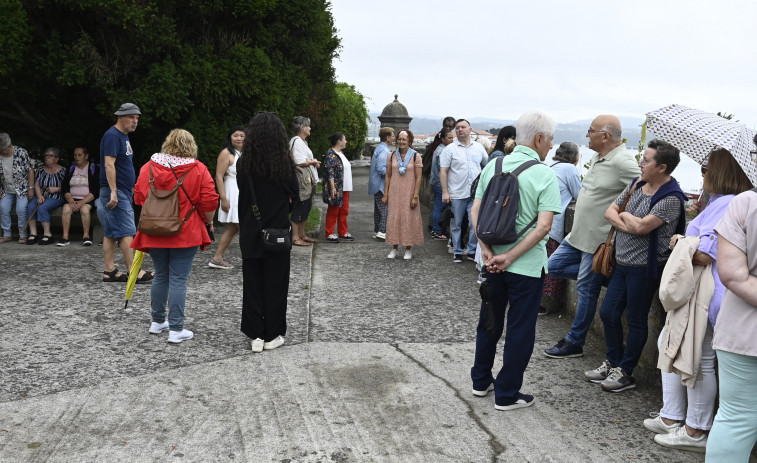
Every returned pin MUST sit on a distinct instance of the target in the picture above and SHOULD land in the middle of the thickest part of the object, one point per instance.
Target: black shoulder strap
(525, 166)
(498, 165)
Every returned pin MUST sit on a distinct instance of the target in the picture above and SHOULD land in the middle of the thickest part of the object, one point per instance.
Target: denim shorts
(119, 221)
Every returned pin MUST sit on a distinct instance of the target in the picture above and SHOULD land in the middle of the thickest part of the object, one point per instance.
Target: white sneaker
(681, 440)
(157, 328)
(408, 255)
(380, 236)
(657, 426)
(257, 345)
(278, 341)
(392, 254)
(178, 336)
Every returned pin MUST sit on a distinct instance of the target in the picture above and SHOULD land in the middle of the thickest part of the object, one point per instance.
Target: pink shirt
(737, 322)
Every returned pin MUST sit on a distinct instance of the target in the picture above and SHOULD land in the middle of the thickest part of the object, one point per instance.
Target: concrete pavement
(375, 368)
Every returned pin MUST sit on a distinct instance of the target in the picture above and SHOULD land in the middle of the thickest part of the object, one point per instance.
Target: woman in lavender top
(687, 412)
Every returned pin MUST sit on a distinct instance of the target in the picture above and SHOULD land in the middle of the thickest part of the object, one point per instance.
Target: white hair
(485, 142)
(532, 123)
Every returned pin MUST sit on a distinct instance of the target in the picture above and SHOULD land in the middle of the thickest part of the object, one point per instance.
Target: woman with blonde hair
(173, 255)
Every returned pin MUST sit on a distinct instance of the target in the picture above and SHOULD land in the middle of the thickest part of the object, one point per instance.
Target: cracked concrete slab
(375, 368)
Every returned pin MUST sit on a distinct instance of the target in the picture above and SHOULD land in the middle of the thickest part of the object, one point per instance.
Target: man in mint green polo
(515, 272)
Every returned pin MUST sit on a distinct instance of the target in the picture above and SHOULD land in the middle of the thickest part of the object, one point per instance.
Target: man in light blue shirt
(460, 163)
(515, 272)
(377, 179)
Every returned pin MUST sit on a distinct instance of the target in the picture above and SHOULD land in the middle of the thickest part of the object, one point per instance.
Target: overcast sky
(572, 59)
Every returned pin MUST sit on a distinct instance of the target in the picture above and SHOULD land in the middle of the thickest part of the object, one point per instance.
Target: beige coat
(685, 293)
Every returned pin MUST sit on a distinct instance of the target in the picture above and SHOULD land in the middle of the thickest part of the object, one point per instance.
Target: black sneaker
(458, 258)
(523, 400)
(63, 242)
(471, 257)
(564, 350)
(440, 237)
(618, 381)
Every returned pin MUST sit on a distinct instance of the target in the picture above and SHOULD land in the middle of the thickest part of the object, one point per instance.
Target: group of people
(265, 180)
(255, 187)
(37, 193)
(707, 272)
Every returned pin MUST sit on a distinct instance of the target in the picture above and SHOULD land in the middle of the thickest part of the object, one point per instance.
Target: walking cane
(30, 219)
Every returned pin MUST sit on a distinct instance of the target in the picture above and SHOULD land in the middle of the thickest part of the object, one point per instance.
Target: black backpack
(499, 206)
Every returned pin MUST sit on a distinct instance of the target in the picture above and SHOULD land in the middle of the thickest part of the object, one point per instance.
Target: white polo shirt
(464, 164)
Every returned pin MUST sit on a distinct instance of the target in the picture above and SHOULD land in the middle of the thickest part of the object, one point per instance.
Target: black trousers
(264, 296)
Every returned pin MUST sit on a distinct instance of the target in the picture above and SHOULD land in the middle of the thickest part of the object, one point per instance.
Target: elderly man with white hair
(515, 272)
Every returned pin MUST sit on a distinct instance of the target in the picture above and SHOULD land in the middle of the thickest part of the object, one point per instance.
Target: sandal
(308, 239)
(32, 239)
(146, 278)
(113, 278)
(300, 243)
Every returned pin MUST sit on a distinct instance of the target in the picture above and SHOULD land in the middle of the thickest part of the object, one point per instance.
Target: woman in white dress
(226, 184)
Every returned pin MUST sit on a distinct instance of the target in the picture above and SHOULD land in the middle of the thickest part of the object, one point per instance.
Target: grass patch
(314, 219)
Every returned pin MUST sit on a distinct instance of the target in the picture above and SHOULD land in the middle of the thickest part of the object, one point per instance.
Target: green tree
(351, 118)
(200, 65)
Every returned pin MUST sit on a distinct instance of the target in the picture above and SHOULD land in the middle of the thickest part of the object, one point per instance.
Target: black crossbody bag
(273, 239)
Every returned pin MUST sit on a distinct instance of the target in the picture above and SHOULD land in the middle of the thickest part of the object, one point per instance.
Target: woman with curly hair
(265, 170)
(403, 183)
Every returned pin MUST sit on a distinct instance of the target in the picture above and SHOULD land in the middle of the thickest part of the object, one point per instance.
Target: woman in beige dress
(403, 183)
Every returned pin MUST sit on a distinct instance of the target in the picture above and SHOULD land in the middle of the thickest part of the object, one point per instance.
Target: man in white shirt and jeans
(460, 163)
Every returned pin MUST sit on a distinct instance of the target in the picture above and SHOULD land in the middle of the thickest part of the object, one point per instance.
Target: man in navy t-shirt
(117, 179)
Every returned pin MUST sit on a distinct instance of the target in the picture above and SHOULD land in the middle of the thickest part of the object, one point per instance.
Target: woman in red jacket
(173, 255)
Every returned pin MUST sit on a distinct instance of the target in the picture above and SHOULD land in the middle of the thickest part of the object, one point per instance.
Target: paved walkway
(375, 368)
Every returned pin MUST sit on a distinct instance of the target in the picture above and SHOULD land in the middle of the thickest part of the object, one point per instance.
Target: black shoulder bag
(273, 239)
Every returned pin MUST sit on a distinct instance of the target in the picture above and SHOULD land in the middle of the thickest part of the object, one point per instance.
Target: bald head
(611, 125)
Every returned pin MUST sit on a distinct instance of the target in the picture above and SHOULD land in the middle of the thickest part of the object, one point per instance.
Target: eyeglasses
(644, 162)
(50, 156)
(704, 170)
(591, 131)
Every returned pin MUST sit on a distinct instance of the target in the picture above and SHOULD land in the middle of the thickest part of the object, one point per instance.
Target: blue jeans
(628, 290)
(735, 430)
(523, 294)
(169, 287)
(436, 213)
(459, 209)
(44, 210)
(6, 204)
(570, 263)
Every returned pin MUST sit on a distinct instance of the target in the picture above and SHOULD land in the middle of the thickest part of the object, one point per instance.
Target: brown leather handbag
(604, 256)
(160, 212)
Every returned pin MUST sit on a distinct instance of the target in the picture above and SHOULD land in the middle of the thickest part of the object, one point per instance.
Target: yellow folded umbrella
(133, 274)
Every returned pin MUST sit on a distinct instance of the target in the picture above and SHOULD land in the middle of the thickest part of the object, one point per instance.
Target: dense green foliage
(351, 118)
(202, 65)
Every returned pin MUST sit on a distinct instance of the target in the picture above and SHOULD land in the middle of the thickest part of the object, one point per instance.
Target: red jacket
(200, 187)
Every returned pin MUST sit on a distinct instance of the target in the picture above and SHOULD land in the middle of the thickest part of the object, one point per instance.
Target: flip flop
(300, 243)
(308, 239)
